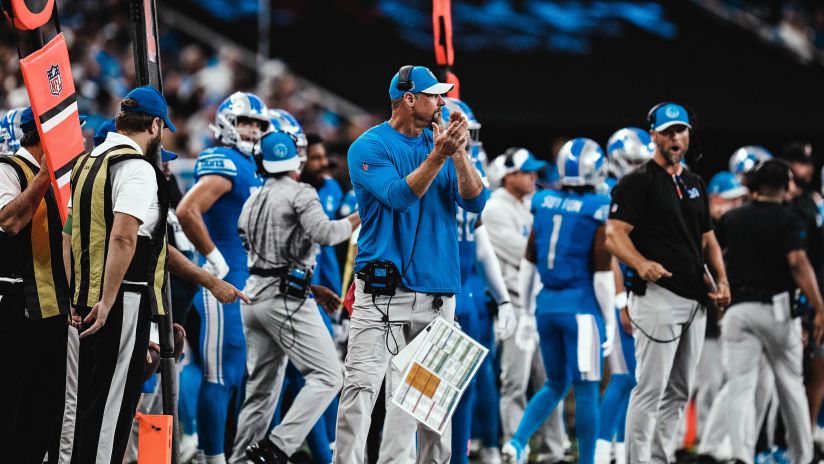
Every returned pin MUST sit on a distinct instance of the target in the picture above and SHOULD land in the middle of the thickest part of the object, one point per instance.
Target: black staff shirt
(669, 215)
(756, 239)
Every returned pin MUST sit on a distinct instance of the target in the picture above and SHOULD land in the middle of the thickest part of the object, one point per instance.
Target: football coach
(409, 177)
(659, 225)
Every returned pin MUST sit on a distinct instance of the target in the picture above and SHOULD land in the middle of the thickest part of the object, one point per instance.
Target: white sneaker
(188, 447)
(620, 453)
(512, 454)
(490, 456)
(603, 452)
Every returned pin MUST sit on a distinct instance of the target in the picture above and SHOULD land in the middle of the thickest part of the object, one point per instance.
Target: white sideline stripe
(58, 118)
(70, 410)
(114, 400)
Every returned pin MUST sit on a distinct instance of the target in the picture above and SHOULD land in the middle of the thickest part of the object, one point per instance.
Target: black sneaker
(266, 452)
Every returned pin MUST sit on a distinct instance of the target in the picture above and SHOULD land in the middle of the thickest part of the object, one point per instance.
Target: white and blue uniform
(568, 316)
(222, 343)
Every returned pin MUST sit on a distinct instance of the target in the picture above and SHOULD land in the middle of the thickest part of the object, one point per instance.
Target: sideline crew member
(766, 262)
(35, 335)
(120, 204)
(409, 177)
(659, 225)
(280, 226)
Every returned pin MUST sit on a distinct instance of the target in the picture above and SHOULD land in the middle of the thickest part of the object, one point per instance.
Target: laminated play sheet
(443, 361)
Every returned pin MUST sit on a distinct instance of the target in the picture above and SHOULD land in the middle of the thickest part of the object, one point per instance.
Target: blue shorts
(571, 345)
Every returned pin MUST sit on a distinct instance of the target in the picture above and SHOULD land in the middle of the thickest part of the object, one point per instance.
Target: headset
(694, 154)
(404, 78)
(509, 156)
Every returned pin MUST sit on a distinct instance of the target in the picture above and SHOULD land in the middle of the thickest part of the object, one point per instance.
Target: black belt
(365, 278)
(278, 272)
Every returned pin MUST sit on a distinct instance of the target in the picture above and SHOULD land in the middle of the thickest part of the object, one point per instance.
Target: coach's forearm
(469, 182)
(420, 179)
(620, 245)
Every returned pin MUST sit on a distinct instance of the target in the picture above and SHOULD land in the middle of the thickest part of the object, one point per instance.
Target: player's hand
(454, 137)
(609, 343)
(818, 327)
(721, 298)
(326, 299)
(526, 337)
(652, 271)
(225, 292)
(216, 264)
(98, 314)
(507, 321)
(626, 323)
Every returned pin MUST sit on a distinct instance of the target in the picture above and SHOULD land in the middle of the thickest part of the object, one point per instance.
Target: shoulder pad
(216, 161)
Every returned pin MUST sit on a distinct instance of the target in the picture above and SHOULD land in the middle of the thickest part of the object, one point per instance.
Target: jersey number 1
(553, 240)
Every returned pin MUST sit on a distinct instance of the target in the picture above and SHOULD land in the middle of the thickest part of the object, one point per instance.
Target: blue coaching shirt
(221, 219)
(379, 161)
(565, 224)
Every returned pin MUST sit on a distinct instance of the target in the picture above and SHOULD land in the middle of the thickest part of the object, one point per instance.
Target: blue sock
(462, 427)
(615, 398)
(190, 378)
(586, 420)
(486, 416)
(540, 406)
(212, 410)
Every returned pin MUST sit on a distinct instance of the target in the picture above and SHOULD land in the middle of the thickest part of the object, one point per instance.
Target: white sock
(620, 453)
(603, 452)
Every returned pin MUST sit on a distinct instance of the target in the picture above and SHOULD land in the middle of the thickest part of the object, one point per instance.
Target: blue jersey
(565, 224)
(349, 204)
(466, 230)
(327, 269)
(221, 219)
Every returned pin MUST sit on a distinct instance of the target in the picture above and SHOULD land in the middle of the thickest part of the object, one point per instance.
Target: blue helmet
(453, 104)
(726, 185)
(240, 105)
(747, 157)
(283, 121)
(10, 131)
(627, 149)
(581, 162)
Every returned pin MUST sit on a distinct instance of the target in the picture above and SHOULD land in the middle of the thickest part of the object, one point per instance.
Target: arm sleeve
(629, 199)
(315, 222)
(134, 188)
(370, 168)
(489, 265)
(509, 243)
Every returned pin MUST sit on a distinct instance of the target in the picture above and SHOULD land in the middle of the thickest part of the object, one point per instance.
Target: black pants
(111, 378)
(33, 386)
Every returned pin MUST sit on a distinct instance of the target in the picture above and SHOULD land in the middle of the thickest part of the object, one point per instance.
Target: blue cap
(422, 80)
(726, 185)
(279, 152)
(27, 121)
(151, 102)
(670, 115)
(109, 126)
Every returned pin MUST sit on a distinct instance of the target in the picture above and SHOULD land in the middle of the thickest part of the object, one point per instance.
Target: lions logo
(281, 150)
(672, 111)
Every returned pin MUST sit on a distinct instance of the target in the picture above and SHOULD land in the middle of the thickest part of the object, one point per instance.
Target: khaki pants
(366, 365)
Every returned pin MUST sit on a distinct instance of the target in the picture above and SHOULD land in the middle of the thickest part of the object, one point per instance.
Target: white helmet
(240, 105)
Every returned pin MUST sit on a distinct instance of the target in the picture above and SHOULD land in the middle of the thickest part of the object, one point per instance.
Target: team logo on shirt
(364, 166)
(55, 81)
(693, 193)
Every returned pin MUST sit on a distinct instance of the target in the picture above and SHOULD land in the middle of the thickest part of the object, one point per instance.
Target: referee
(120, 203)
(34, 304)
(767, 261)
(659, 225)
